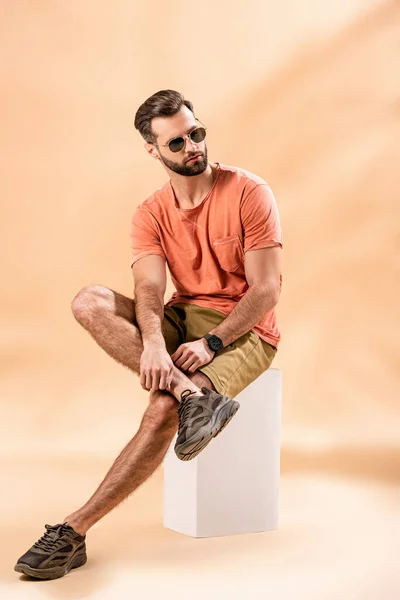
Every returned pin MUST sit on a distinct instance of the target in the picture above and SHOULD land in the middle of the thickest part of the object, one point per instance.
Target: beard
(187, 169)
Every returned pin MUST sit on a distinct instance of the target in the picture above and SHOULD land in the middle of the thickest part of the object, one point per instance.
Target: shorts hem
(213, 376)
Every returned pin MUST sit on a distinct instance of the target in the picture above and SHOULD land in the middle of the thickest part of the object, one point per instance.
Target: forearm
(248, 311)
(149, 311)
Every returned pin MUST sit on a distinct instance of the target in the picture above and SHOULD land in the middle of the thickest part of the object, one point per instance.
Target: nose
(188, 140)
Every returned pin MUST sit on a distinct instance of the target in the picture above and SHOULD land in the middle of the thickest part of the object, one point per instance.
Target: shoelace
(185, 395)
(51, 539)
(186, 405)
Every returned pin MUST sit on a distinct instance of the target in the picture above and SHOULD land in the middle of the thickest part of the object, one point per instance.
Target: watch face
(215, 343)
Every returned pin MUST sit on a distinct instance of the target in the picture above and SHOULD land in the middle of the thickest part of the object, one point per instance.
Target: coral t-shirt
(204, 246)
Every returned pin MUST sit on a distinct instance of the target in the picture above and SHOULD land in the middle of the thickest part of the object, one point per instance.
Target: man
(218, 229)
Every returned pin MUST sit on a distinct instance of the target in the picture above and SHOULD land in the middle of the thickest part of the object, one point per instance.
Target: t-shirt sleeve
(260, 219)
(144, 235)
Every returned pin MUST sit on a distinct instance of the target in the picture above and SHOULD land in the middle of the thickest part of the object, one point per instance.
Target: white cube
(232, 486)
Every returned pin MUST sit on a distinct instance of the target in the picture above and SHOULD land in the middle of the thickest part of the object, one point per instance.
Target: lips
(193, 157)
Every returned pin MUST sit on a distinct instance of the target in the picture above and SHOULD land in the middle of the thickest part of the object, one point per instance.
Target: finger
(163, 382)
(177, 353)
(155, 381)
(166, 379)
(182, 362)
(148, 380)
(169, 378)
(187, 363)
(142, 378)
(193, 367)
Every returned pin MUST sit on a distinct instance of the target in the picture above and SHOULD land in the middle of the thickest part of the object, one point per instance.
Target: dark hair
(164, 103)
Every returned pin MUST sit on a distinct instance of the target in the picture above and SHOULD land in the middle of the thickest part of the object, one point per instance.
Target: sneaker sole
(77, 561)
(221, 419)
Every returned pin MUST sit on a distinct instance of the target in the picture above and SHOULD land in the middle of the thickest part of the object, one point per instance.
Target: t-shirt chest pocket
(229, 252)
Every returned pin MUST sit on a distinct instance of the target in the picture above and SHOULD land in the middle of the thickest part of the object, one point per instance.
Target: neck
(191, 190)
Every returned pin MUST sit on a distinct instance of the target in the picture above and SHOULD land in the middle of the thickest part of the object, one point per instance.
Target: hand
(192, 355)
(156, 368)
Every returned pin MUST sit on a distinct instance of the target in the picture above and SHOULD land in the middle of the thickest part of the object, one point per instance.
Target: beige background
(306, 95)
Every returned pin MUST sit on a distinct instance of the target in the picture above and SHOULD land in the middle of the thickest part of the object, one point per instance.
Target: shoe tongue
(71, 530)
(55, 528)
(54, 531)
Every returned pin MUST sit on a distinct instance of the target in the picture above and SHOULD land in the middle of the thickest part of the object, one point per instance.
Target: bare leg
(137, 461)
(108, 317)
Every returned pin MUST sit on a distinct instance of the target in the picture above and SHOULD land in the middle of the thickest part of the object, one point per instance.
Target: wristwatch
(214, 342)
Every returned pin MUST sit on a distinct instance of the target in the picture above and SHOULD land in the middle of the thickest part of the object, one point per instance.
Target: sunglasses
(177, 144)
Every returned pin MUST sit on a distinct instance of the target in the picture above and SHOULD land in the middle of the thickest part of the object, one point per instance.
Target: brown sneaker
(201, 418)
(58, 551)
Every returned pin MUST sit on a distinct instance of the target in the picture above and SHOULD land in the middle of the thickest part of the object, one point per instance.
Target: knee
(89, 299)
(162, 412)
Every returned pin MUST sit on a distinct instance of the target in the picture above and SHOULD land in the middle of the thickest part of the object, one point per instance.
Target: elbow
(148, 289)
(271, 291)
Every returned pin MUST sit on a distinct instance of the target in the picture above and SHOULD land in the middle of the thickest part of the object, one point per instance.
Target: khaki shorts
(232, 369)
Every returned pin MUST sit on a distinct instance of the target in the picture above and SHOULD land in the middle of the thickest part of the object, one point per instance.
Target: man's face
(168, 128)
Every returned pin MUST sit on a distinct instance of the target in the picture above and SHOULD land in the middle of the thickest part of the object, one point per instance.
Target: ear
(152, 151)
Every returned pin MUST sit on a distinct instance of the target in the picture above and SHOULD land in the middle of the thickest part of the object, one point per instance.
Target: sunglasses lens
(176, 145)
(198, 135)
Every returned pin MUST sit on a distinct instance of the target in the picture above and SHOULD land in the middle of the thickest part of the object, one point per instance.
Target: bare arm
(262, 268)
(150, 282)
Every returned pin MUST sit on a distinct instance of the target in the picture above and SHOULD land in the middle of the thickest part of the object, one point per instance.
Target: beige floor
(305, 95)
(338, 538)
